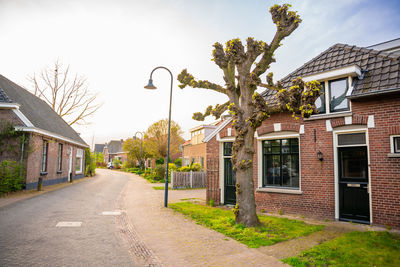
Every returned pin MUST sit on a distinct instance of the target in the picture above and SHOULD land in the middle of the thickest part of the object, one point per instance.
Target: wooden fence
(188, 179)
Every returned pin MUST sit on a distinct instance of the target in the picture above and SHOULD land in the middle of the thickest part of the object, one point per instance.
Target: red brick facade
(316, 196)
(195, 153)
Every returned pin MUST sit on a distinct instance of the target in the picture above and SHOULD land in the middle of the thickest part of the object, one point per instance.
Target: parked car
(110, 165)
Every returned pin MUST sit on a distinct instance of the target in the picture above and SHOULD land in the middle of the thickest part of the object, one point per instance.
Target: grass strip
(271, 230)
(353, 249)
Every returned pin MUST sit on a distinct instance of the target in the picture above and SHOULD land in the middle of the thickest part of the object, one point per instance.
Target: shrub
(117, 163)
(90, 163)
(178, 162)
(159, 172)
(196, 167)
(10, 178)
(159, 161)
(184, 169)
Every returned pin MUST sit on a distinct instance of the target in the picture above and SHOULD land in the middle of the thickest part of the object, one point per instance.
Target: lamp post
(152, 87)
(141, 150)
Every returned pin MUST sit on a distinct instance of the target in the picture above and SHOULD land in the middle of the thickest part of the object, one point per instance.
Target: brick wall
(34, 160)
(317, 180)
(196, 152)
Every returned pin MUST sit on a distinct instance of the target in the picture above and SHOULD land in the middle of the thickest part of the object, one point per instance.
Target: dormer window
(334, 99)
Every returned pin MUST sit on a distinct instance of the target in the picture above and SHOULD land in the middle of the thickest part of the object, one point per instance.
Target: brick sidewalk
(173, 240)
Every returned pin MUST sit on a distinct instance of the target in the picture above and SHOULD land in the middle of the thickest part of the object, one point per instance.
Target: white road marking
(69, 224)
(117, 212)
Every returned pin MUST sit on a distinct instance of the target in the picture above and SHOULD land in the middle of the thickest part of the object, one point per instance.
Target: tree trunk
(245, 210)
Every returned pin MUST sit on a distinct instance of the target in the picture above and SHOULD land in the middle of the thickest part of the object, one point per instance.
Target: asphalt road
(29, 236)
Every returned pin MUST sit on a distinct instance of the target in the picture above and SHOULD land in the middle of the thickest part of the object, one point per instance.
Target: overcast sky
(117, 43)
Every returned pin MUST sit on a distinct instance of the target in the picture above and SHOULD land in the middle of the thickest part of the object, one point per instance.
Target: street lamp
(141, 150)
(152, 87)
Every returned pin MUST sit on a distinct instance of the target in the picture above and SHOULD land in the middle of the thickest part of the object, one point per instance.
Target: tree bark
(245, 210)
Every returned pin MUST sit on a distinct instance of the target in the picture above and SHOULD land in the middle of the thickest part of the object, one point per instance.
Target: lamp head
(150, 85)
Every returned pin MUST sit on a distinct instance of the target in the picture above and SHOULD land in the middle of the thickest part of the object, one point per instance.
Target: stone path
(178, 241)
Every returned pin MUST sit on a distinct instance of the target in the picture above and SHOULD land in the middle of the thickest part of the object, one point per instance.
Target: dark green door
(229, 176)
(353, 184)
(230, 181)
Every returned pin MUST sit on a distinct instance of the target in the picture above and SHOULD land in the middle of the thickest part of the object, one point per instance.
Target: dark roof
(38, 112)
(99, 148)
(3, 97)
(114, 146)
(383, 73)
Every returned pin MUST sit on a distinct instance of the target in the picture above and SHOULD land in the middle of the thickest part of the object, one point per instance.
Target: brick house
(54, 151)
(343, 163)
(114, 149)
(194, 150)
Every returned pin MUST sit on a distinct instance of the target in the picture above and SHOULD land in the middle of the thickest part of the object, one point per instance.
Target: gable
(38, 112)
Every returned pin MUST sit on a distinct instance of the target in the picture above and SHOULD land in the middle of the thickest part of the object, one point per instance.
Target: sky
(115, 44)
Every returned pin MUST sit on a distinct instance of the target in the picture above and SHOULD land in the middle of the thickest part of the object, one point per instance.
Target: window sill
(393, 155)
(58, 172)
(329, 115)
(78, 172)
(280, 190)
(43, 173)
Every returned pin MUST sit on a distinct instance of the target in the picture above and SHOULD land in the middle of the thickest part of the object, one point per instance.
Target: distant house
(194, 150)
(113, 149)
(342, 163)
(54, 151)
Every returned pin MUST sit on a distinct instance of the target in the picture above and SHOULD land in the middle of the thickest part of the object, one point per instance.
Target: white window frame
(274, 136)
(60, 157)
(327, 96)
(392, 153)
(79, 156)
(221, 165)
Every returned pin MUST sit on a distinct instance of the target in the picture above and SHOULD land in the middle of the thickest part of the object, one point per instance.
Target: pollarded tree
(248, 108)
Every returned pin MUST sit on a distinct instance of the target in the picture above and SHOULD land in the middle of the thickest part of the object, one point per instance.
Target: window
(334, 99)
(45, 151)
(320, 102)
(396, 141)
(79, 161)
(337, 95)
(281, 163)
(59, 161)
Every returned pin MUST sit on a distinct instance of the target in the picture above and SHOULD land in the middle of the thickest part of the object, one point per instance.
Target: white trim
(221, 172)
(328, 125)
(22, 117)
(274, 136)
(229, 131)
(217, 130)
(351, 88)
(79, 155)
(9, 105)
(329, 115)
(277, 127)
(301, 131)
(333, 74)
(49, 134)
(392, 146)
(348, 120)
(371, 121)
(280, 190)
(346, 130)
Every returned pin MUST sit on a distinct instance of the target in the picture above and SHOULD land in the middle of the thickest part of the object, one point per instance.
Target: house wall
(317, 180)
(7, 115)
(196, 152)
(34, 160)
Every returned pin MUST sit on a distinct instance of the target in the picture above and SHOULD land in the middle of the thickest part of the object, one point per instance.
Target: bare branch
(69, 98)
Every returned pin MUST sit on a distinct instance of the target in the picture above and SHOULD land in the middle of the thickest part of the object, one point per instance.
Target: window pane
(351, 139)
(320, 102)
(338, 90)
(228, 148)
(396, 141)
(354, 164)
(281, 169)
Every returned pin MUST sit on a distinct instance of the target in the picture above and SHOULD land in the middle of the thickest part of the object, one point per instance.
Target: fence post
(172, 179)
(191, 179)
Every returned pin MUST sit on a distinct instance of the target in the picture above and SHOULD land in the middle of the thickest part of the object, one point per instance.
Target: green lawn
(271, 230)
(353, 249)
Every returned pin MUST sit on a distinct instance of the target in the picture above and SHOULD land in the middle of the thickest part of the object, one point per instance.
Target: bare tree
(66, 94)
(241, 72)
